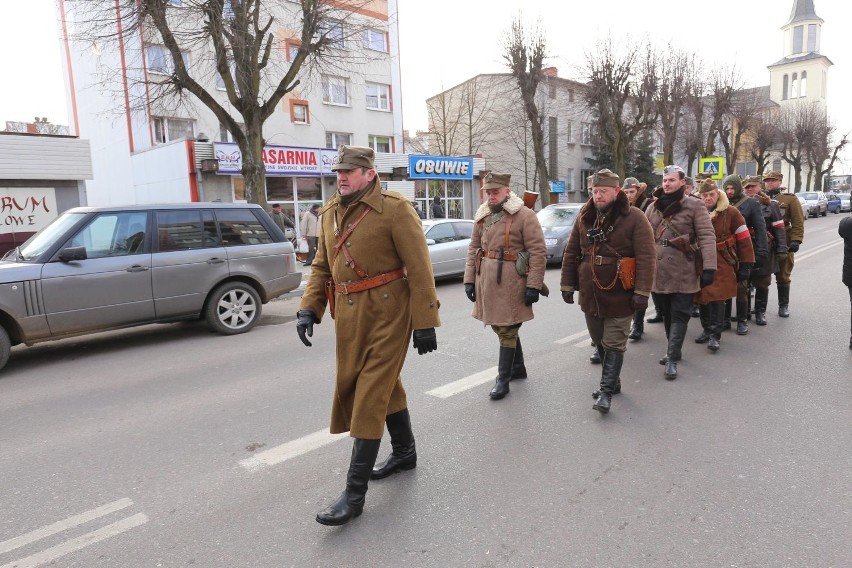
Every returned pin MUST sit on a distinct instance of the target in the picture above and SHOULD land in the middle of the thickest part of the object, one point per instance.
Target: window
(794, 91)
(220, 83)
(335, 90)
(442, 233)
(569, 179)
(569, 132)
(299, 111)
(160, 60)
(586, 134)
(785, 89)
(225, 135)
(337, 139)
(584, 179)
(380, 143)
(241, 227)
(378, 96)
(169, 129)
(776, 165)
(292, 47)
(571, 96)
(551, 90)
(112, 234)
(183, 230)
(797, 39)
(812, 37)
(333, 31)
(803, 85)
(376, 40)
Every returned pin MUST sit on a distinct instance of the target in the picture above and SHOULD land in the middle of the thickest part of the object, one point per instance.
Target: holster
(329, 295)
(627, 272)
(477, 259)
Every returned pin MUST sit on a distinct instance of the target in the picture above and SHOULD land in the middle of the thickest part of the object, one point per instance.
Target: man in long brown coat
(610, 259)
(505, 273)
(373, 264)
(682, 229)
(734, 259)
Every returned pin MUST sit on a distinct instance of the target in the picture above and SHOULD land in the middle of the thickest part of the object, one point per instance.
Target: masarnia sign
(279, 160)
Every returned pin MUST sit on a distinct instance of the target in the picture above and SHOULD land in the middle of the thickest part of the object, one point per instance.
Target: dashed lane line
(78, 543)
(464, 384)
(63, 525)
(571, 338)
(290, 450)
(818, 250)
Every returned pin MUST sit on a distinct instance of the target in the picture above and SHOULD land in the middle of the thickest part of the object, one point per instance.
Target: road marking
(60, 526)
(290, 450)
(817, 250)
(464, 384)
(78, 543)
(571, 338)
(584, 343)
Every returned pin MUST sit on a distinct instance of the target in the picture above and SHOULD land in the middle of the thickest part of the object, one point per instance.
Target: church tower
(802, 75)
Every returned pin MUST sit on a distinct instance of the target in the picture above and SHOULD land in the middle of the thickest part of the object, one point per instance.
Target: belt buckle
(598, 260)
(664, 242)
(342, 288)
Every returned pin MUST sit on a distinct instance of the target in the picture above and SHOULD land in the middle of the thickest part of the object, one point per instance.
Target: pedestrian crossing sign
(713, 166)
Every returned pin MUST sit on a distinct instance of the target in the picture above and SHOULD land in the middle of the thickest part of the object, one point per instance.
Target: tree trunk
(254, 169)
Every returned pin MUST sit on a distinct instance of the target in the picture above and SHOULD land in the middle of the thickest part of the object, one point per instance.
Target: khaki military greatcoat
(373, 326)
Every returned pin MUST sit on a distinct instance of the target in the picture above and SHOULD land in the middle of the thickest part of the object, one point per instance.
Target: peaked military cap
(774, 175)
(630, 182)
(707, 185)
(494, 180)
(605, 178)
(752, 180)
(352, 157)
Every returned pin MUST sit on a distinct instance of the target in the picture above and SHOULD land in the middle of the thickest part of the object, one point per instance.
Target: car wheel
(825, 213)
(232, 308)
(5, 347)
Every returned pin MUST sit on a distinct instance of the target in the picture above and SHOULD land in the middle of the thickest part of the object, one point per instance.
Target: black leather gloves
(568, 297)
(743, 272)
(639, 302)
(793, 246)
(707, 277)
(470, 290)
(305, 320)
(531, 296)
(425, 340)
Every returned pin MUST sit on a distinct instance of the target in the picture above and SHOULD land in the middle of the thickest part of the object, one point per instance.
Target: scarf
(666, 199)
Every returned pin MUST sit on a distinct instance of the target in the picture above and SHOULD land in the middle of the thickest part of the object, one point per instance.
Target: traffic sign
(713, 166)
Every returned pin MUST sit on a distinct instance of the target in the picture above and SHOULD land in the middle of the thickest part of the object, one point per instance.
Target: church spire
(803, 11)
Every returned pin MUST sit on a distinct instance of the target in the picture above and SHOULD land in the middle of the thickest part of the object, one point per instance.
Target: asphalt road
(168, 446)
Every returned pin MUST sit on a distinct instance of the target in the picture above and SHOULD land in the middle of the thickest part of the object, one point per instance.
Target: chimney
(550, 72)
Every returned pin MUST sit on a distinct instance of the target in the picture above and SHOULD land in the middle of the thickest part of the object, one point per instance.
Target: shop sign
(557, 186)
(439, 167)
(279, 160)
(25, 209)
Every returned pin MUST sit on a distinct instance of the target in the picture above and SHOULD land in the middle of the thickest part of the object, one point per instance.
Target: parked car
(99, 268)
(845, 202)
(448, 241)
(833, 202)
(556, 222)
(814, 203)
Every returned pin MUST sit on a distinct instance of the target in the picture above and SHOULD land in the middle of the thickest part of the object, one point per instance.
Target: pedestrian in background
(794, 229)
(734, 259)
(777, 243)
(372, 269)
(635, 193)
(682, 230)
(437, 209)
(610, 259)
(845, 231)
(310, 228)
(504, 273)
(283, 221)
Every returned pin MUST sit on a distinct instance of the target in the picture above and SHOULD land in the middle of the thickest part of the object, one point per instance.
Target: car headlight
(550, 242)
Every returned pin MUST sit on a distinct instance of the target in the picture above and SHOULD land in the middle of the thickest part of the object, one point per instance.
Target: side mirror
(430, 242)
(71, 254)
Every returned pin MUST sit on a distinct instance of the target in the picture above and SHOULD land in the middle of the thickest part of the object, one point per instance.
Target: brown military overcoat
(628, 234)
(503, 304)
(373, 326)
(727, 222)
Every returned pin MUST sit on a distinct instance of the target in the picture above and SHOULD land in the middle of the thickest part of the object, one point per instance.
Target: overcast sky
(445, 42)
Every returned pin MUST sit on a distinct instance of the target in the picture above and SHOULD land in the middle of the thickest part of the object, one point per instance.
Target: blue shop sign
(439, 167)
(557, 186)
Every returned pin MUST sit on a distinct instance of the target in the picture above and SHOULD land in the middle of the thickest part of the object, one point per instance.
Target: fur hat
(707, 185)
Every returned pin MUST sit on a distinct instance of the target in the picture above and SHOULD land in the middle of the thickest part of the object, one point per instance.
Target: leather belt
(368, 283)
(664, 243)
(510, 256)
(599, 260)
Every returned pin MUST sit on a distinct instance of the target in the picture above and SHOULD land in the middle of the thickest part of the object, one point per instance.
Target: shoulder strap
(341, 240)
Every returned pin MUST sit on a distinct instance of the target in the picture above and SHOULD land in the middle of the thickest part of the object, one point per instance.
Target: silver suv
(99, 268)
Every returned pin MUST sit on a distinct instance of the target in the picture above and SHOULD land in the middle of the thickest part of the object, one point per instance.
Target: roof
(800, 58)
(803, 11)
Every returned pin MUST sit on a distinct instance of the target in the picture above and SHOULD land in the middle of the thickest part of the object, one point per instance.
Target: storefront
(296, 177)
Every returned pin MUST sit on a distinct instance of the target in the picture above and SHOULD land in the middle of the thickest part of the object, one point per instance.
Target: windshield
(557, 216)
(808, 196)
(37, 244)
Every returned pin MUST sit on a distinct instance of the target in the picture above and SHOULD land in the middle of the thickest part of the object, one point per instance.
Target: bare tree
(763, 137)
(673, 88)
(524, 53)
(795, 125)
(248, 57)
(746, 107)
(621, 91)
(461, 119)
(823, 149)
(445, 112)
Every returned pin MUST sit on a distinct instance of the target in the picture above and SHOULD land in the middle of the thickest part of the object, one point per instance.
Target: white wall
(161, 174)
